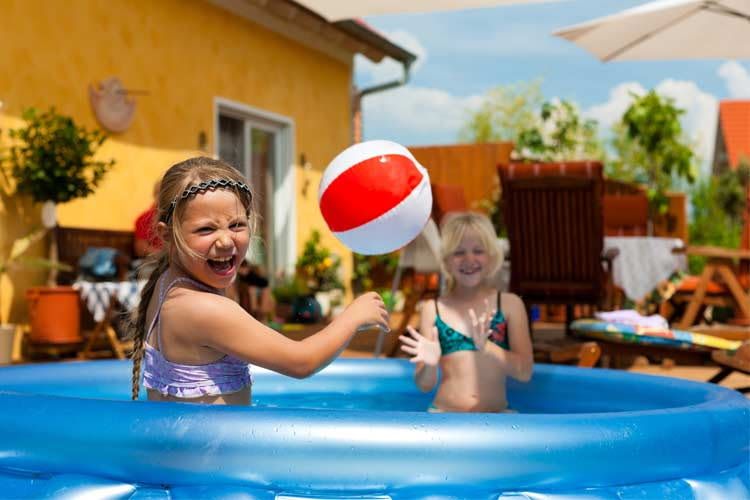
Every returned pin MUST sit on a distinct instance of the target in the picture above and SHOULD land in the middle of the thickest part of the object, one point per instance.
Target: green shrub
(53, 160)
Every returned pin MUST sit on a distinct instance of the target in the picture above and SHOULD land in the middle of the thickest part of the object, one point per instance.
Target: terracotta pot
(54, 315)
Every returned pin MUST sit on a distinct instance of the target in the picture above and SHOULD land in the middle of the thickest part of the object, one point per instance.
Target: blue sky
(463, 54)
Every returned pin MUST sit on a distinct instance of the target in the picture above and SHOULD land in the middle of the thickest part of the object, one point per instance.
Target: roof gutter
(363, 32)
(388, 85)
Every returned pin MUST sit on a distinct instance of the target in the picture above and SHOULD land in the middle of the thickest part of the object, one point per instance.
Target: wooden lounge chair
(553, 212)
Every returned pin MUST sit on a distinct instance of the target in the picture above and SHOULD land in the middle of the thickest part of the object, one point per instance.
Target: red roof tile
(735, 127)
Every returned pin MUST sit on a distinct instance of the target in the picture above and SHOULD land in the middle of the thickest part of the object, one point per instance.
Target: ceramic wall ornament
(113, 107)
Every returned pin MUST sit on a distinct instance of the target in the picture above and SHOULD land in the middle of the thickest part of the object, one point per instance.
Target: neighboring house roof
(734, 124)
(308, 27)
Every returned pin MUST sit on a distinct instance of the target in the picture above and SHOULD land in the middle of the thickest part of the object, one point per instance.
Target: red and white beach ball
(375, 197)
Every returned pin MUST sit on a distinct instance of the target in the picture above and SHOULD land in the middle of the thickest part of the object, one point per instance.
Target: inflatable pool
(358, 429)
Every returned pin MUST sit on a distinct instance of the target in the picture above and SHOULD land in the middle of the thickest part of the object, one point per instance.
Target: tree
(560, 134)
(54, 158)
(719, 205)
(651, 147)
(503, 113)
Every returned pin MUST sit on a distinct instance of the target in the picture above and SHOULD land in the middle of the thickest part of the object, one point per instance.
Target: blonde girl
(475, 334)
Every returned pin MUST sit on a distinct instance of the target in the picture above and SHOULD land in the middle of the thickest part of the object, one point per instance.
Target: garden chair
(553, 214)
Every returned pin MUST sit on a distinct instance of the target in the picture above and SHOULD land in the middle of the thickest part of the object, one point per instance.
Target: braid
(137, 357)
(137, 327)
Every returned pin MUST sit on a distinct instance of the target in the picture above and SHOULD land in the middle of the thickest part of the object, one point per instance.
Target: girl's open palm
(479, 327)
(421, 348)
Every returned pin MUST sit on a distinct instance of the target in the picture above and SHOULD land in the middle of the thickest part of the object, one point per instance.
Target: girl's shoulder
(510, 296)
(191, 296)
(193, 303)
(511, 302)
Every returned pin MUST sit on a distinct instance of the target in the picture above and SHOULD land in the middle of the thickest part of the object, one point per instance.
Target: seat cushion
(690, 283)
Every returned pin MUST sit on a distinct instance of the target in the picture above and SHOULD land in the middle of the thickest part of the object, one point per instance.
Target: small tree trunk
(49, 220)
(53, 257)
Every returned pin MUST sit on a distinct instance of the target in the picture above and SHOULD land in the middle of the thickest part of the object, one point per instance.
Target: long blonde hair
(453, 230)
(170, 207)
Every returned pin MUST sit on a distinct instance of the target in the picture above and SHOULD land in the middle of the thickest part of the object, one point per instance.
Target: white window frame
(284, 200)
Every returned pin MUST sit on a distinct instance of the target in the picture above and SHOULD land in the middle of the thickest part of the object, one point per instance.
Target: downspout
(357, 99)
(357, 132)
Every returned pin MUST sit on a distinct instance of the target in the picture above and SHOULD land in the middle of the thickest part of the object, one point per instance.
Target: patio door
(255, 145)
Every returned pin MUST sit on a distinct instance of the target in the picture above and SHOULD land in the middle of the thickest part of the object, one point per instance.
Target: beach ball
(375, 197)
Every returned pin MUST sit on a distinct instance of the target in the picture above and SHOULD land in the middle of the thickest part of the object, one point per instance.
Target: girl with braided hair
(193, 342)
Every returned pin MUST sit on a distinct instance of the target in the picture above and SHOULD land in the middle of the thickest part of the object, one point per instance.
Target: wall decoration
(113, 107)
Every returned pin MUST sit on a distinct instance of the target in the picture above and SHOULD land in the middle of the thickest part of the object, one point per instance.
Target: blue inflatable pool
(358, 429)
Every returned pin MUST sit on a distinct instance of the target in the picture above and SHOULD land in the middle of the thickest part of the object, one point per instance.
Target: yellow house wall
(182, 54)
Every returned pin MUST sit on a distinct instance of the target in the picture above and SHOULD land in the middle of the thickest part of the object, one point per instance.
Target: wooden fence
(471, 166)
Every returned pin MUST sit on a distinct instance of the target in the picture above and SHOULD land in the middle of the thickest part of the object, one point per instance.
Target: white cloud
(388, 69)
(737, 79)
(416, 115)
(608, 113)
(699, 120)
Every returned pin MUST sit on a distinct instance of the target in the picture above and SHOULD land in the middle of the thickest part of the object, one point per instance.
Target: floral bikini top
(225, 375)
(451, 340)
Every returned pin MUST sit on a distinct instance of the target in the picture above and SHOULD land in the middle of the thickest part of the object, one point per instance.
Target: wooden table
(102, 299)
(722, 262)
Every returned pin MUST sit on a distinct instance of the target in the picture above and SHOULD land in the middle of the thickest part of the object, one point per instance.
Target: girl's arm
(223, 325)
(519, 361)
(425, 374)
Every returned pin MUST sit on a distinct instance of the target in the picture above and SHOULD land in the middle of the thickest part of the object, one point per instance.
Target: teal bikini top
(452, 340)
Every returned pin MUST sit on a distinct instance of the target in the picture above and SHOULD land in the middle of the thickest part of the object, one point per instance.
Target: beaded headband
(202, 188)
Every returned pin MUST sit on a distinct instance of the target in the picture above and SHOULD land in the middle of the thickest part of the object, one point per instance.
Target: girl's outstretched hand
(479, 328)
(422, 349)
(369, 309)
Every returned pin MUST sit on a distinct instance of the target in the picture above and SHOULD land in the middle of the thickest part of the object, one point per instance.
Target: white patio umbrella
(337, 10)
(668, 29)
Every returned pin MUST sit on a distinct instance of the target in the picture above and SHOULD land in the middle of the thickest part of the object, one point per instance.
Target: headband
(202, 188)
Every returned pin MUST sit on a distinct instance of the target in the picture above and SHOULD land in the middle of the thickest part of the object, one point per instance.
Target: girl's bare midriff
(241, 397)
(471, 382)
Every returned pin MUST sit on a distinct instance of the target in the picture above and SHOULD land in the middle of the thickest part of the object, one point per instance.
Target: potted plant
(8, 330)
(285, 293)
(373, 271)
(320, 270)
(15, 260)
(52, 161)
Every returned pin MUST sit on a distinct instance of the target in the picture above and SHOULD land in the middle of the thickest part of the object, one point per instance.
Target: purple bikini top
(223, 376)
